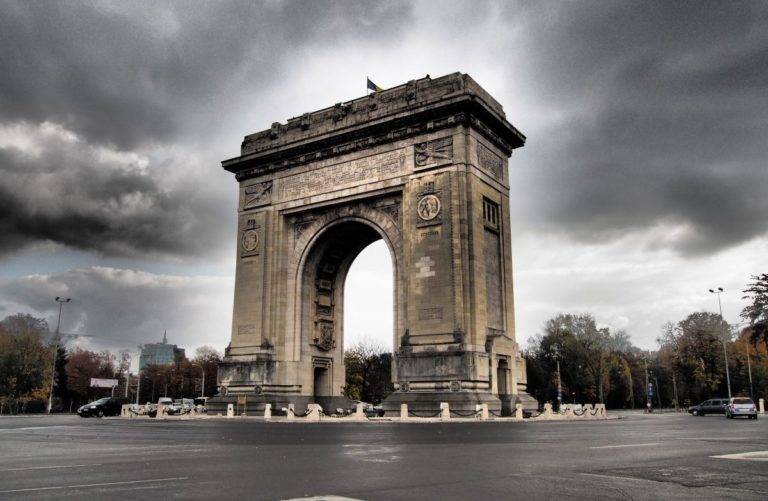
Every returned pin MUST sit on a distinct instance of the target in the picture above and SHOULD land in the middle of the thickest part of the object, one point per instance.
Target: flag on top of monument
(372, 86)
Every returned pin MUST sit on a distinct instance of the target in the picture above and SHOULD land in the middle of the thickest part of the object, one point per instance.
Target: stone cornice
(438, 104)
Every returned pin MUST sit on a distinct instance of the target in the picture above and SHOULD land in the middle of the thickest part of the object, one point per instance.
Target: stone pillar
(445, 411)
(230, 410)
(403, 411)
(762, 406)
(289, 413)
(548, 411)
(359, 413)
(267, 411)
(483, 409)
(519, 412)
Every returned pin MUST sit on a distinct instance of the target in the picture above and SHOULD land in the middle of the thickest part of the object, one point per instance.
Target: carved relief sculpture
(432, 152)
(428, 207)
(324, 339)
(257, 194)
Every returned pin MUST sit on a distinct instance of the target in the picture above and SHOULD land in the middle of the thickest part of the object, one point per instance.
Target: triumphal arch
(422, 166)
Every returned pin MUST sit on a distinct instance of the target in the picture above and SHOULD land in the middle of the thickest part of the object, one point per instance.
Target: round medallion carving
(250, 240)
(428, 207)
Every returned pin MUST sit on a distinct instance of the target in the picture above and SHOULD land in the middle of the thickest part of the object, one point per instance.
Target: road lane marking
(52, 467)
(745, 456)
(78, 486)
(625, 445)
(708, 439)
(27, 428)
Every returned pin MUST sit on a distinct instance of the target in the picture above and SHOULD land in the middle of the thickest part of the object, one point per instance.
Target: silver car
(741, 406)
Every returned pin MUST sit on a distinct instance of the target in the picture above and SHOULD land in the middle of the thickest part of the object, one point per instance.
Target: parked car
(711, 406)
(741, 406)
(180, 406)
(369, 410)
(200, 404)
(108, 406)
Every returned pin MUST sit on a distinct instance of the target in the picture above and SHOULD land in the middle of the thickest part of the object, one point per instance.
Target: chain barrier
(535, 414)
(576, 413)
(414, 414)
(494, 413)
(466, 414)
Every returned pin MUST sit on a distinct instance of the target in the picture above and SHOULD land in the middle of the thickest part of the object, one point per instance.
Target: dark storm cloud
(136, 72)
(138, 78)
(88, 198)
(662, 121)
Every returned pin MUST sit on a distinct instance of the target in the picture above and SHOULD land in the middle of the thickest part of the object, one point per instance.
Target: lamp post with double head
(57, 342)
(719, 291)
(202, 370)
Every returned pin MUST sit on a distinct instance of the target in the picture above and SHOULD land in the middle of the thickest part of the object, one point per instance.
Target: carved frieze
(356, 145)
(373, 168)
(299, 227)
(257, 194)
(489, 161)
(429, 153)
(393, 211)
(431, 313)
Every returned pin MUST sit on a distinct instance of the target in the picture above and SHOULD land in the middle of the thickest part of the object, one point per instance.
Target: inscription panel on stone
(344, 175)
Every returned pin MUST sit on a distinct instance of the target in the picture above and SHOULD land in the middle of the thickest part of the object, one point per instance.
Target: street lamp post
(202, 370)
(559, 387)
(647, 388)
(61, 301)
(202, 388)
(749, 371)
(725, 350)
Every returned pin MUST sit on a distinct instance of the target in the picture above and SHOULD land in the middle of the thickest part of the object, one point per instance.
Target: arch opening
(325, 297)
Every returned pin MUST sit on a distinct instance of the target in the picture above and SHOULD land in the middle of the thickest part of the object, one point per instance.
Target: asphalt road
(639, 457)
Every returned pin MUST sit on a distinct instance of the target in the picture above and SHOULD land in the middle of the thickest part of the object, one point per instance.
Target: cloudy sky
(643, 182)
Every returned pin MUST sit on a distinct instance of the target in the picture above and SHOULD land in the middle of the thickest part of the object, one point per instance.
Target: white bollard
(314, 412)
(289, 412)
(547, 411)
(359, 414)
(519, 412)
(230, 410)
(267, 411)
(762, 405)
(403, 411)
(483, 409)
(445, 412)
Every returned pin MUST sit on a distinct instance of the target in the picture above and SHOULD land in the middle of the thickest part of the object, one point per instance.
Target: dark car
(109, 406)
(711, 406)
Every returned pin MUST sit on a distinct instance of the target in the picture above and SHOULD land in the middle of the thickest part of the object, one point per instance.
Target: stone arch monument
(422, 166)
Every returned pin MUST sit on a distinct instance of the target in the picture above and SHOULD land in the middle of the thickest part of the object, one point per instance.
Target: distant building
(160, 353)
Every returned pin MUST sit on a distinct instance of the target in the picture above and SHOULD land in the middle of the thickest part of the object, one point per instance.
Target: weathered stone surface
(422, 166)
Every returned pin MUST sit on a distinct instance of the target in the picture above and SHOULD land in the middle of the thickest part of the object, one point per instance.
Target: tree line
(27, 366)
(597, 364)
(601, 365)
